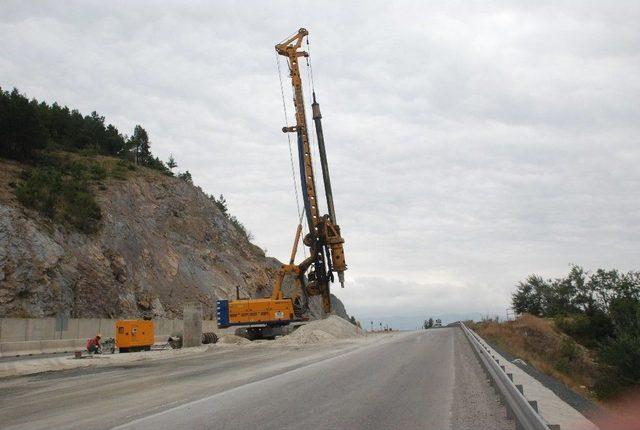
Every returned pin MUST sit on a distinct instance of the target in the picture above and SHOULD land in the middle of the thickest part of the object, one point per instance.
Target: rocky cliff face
(161, 242)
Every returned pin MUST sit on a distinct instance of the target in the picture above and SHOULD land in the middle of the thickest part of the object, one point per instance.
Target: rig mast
(323, 240)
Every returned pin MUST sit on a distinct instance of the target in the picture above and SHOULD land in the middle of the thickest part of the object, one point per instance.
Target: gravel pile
(325, 330)
(232, 339)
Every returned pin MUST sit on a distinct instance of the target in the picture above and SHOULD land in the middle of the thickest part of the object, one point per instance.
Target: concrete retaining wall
(26, 336)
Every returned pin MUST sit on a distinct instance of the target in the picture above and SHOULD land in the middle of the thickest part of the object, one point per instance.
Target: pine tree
(141, 146)
(186, 176)
(22, 133)
(171, 164)
(222, 205)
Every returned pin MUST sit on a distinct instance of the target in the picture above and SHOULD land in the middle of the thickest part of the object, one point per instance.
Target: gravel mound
(325, 330)
(232, 339)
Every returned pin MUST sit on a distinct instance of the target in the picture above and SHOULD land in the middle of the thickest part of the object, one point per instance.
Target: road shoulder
(472, 389)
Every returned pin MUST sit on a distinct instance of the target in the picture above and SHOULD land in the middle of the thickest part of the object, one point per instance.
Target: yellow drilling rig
(263, 317)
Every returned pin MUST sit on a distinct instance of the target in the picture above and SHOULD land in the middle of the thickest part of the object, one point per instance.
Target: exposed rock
(161, 242)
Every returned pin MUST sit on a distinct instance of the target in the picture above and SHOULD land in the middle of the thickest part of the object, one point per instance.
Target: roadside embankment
(530, 342)
(538, 342)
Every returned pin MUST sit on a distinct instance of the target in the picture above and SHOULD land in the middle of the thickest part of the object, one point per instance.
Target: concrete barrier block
(157, 327)
(163, 327)
(176, 326)
(11, 349)
(192, 316)
(162, 339)
(41, 328)
(107, 327)
(51, 346)
(88, 327)
(70, 333)
(13, 330)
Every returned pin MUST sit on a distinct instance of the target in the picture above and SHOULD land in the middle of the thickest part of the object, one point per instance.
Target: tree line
(61, 187)
(29, 127)
(600, 309)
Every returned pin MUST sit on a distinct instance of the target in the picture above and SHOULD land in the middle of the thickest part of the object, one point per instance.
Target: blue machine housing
(222, 313)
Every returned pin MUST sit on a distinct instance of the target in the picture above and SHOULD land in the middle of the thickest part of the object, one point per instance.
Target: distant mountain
(413, 322)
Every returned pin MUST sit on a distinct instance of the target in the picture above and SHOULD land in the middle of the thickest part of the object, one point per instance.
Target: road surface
(415, 380)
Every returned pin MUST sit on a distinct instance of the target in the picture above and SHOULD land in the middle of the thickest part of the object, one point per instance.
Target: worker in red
(93, 345)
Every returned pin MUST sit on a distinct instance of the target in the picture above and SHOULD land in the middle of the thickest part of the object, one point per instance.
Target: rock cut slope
(161, 242)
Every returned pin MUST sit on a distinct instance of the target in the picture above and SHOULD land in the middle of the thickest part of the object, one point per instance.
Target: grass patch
(120, 169)
(539, 342)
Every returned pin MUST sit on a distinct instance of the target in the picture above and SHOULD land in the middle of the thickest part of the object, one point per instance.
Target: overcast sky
(471, 143)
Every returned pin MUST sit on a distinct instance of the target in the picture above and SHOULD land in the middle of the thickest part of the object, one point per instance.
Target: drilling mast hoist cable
(326, 254)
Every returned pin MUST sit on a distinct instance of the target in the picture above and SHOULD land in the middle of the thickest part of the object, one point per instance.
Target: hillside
(540, 343)
(158, 242)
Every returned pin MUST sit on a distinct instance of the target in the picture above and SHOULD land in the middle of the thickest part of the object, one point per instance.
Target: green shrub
(240, 227)
(97, 172)
(620, 358)
(81, 209)
(567, 354)
(119, 171)
(63, 196)
(40, 190)
(588, 330)
(90, 151)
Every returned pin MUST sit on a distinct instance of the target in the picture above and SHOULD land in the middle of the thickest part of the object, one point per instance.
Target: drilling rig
(315, 273)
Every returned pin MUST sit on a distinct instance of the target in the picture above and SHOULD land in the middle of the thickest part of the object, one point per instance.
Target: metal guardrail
(524, 412)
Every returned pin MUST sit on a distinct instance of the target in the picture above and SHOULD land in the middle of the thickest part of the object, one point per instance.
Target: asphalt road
(419, 380)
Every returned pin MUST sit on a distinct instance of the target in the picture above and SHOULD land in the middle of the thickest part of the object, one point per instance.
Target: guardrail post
(520, 388)
(534, 404)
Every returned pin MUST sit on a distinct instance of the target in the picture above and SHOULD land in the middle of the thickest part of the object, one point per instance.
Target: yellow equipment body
(134, 335)
(260, 311)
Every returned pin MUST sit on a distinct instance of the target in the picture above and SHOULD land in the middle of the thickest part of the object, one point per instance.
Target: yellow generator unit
(254, 311)
(134, 335)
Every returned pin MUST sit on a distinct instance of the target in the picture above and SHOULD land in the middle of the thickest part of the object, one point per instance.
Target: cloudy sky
(471, 143)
